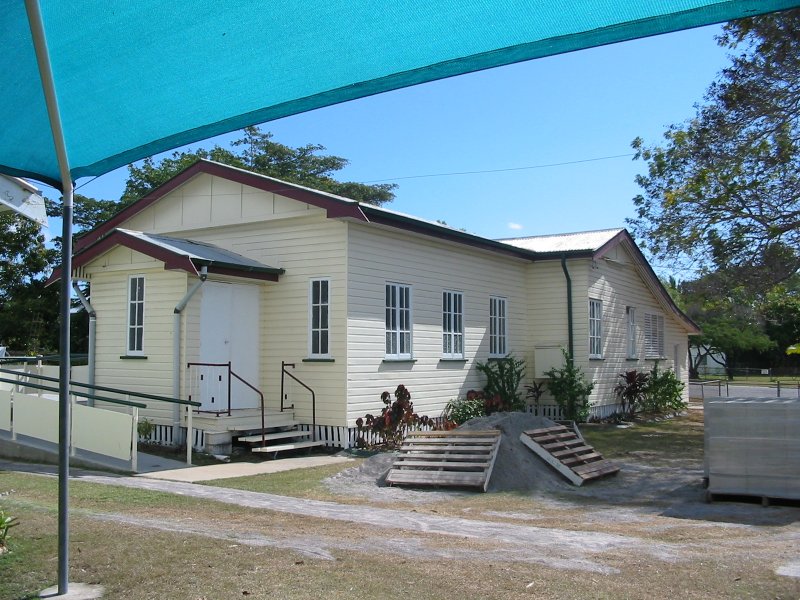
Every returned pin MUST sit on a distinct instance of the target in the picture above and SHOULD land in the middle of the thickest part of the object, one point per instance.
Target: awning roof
(176, 253)
(133, 79)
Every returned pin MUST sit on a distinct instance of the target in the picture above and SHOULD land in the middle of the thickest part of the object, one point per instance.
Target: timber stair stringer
(567, 452)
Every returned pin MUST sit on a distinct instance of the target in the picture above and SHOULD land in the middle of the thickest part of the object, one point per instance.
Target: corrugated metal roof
(587, 241)
(200, 251)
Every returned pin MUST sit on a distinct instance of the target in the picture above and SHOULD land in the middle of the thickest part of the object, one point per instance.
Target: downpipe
(87, 306)
(569, 306)
(176, 350)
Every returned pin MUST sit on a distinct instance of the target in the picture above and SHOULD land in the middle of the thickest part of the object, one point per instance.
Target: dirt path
(553, 547)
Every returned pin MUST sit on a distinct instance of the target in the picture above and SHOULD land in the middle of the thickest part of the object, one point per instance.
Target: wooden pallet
(446, 459)
(568, 453)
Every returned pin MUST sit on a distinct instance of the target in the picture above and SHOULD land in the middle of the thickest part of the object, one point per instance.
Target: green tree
(724, 188)
(730, 319)
(257, 152)
(28, 310)
(781, 310)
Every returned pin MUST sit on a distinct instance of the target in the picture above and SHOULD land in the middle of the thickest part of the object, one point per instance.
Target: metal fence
(727, 389)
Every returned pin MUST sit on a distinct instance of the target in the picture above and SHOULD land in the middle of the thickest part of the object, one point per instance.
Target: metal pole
(48, 88)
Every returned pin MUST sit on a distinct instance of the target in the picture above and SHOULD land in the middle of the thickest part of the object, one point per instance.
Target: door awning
(178, 254)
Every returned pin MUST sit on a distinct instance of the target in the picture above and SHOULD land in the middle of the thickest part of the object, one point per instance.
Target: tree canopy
(257, 152)
(723, 189)
(28, 310)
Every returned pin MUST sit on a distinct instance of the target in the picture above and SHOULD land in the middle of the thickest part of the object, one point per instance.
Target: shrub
(393, 423)
(461, 410)
(534, 393)
(664, 391)
(631, 390)
(145, 429)
(570, 389)
(6, 523)
(503, 377)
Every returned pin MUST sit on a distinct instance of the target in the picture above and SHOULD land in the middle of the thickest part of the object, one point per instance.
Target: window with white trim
(452, 325)
(398, 321)
(498, 336)
(653, 335)
(319, 304)
(595, 328)
(630, 313)
(135, 345)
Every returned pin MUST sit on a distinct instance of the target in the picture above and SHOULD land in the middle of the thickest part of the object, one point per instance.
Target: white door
(229, 331)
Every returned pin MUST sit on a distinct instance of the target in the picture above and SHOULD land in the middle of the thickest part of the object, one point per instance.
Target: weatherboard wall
(306, 247)
(152, 372)
(379, 255)
(615, 280)
(281, 233)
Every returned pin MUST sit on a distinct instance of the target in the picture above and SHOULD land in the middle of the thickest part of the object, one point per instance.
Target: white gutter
(176, 350)
(92, 336)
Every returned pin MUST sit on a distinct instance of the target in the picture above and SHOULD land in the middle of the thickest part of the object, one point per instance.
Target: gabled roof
(583, 242)
(595, 245)
(336, 207)
(176, 253)
(589, 244)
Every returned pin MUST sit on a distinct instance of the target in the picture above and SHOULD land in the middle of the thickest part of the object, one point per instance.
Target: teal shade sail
(137, 78)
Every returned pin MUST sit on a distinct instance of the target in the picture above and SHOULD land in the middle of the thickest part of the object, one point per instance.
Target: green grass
(678, 438)
(142, 561)
(300, 483)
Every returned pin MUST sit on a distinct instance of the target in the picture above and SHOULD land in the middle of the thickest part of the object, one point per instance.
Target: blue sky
(563, 109)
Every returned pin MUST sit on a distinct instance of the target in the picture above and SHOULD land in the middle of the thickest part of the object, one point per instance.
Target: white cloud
(515, 226)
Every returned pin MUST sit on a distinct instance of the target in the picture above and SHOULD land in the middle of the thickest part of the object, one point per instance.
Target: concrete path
(182, 472)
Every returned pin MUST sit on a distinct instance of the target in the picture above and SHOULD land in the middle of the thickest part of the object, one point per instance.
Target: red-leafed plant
(631, 391)
(390, 427)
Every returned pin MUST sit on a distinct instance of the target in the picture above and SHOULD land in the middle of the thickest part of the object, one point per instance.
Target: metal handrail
(232, 373)
(313, 398)
(227, 365)
(101, 388)
(260, 395)
(49, 388)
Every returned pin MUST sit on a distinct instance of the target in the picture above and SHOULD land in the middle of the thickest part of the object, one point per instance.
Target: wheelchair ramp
(446, 459)
(567, 452)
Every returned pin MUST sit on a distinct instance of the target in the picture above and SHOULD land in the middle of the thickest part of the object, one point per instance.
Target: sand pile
(516, 467)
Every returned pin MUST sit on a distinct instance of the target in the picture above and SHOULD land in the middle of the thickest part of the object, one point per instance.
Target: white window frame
(319, 329)
(498, 327)
(630, 314)
(452, 324)
(595, 328)
(398, 301)
(653, 335)
(135, 320)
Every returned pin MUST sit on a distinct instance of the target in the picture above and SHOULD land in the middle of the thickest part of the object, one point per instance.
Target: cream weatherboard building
(221, 265)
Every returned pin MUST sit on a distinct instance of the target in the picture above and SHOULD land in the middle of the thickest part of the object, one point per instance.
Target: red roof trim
(171, 260)
(335, 208)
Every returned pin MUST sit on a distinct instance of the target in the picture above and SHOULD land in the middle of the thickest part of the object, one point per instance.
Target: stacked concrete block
(752, 446)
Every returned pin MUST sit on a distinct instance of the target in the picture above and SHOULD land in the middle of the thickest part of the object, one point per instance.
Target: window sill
(133, 357)
(596, 358)
(496, 358)
(655, 358)
(453, 360)
(632, 359)
(399, 360)
(318, 360)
